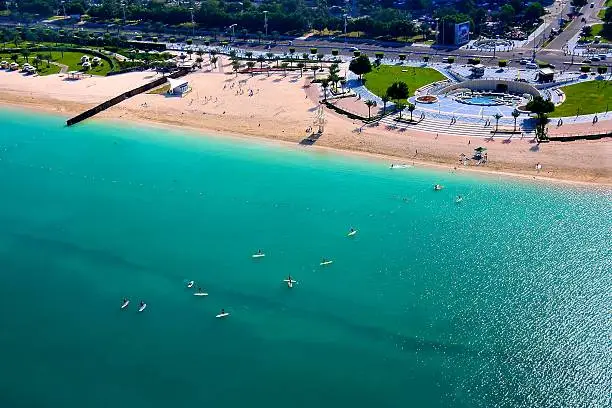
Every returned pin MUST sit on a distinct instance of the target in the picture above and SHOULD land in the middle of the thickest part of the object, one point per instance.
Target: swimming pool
(484, 100)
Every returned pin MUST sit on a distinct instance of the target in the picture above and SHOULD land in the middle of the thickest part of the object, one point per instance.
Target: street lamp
(345, 24)
(232, 27)
(437, 30)
(266, 22)
(123, 7)
(64, 7)
(192, 22)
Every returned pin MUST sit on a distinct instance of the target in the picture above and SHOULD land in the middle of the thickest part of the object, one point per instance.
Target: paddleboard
(399, 166)
(222, 315)
(258, 255)
(290, 282)
(190, 284)
(123, 306)
(143, 307)
(350, 234)
(458, 200)
(326, 263)
(200, 294)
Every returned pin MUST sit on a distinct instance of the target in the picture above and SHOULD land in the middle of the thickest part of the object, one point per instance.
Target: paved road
(575, 26)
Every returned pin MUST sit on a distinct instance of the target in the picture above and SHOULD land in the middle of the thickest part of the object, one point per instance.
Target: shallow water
(502, 300)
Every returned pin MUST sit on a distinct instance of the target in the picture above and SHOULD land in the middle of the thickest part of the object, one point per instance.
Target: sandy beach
(283, 108)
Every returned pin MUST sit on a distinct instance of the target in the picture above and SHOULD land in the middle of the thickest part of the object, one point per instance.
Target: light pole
(345, 24)
(266, 22)
(192, 22)
(437, 30)
(64, 7)
(123, 7)
(232, 27)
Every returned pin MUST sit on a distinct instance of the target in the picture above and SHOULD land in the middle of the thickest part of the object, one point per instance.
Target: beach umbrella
(480, 149)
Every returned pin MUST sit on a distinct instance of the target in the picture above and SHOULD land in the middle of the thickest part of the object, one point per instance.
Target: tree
(26, 54)
(190, 53)
(304, 55)
(402, 57)
(398, 91)
(250, 65)
(379, 55)
(506, 14)
(515, 115)
(213, 61)
(360, 66)
(275, 36)
(38, 60)
(301, 66)
(259, 36)
(411, 109)
(235, 66)
(502, 63)
(320, 58)
(385, 99)
(325, 85)
(15, 57)
(314, 69)
(270, 56)
(313, 51)
(248, 54)
(587, 30)
(370, 103)
(284, 66)
(497, 117)
(335, 53)
(261, 59)
(533, 11)
(541, 107)
(602, 70)
(400, 107)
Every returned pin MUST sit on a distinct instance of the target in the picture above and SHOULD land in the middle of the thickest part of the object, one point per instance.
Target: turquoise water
(502, 300)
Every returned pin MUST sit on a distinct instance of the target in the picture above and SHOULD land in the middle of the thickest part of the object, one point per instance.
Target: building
(478, 71)
(546, 75)
(178, 87)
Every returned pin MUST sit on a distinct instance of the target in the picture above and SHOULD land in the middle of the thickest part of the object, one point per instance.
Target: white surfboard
(258, 255)
(326, 263)
(200, 294)
(142, 308)
(190, 284)
(458, 200)
(125, 304)
(290, 282)
(351, 233)
(222, 315)
(399, 166)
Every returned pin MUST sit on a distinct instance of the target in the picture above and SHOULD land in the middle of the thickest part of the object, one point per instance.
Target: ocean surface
(502, 300)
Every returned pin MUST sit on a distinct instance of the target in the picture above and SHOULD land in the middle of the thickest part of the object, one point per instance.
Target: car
(353, 49)
(445, 59)
(586, 61)
(532, 65)
(595, 59)
(602, 56)
(524, 62)
(592, 5)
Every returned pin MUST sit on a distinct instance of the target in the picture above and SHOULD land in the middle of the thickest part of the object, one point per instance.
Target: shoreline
(282, 108)
(377, 157)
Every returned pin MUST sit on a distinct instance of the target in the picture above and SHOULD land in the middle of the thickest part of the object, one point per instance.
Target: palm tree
(411, 109)
(320, 58)
(301, 66)
(304, 55)
(26, 54)
(270, 56)
(385, 98)
(370, 103)
(400, 106)
(325, 85)
(190, 53)
(515, 115)
(314, 69)
(199, 52)
(235, 66)
(342, 83)
(291, 52)
(48, 58)
(251, 64)
(15, 57)
(284, 65)
(213, 61)
(277, 58)
(333, 79)
(497, 117)
(38, 60)
(248, 54)
(261, 59)
(259, 35)
(199, 61)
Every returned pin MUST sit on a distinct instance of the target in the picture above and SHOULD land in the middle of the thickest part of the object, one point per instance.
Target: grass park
(70, 58)
(379, 79)
(590, 97)
(598, 30)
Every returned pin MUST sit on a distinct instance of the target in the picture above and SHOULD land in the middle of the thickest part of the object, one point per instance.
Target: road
(575, 26)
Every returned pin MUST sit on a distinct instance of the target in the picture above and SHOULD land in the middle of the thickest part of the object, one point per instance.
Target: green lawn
(73, 60)
(590, 97)
(598, 30)
(381, 78)
(42, 68)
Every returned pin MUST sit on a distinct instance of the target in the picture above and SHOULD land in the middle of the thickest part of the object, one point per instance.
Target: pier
(120, 98)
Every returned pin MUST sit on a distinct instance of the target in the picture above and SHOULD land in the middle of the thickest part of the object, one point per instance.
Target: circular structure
(488, 99)
(426, 99)
(492, 43)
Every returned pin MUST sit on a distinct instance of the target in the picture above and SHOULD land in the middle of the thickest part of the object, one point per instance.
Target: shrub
(451, 60)
(189, 41)
(402, 57)
(585, 68)
(379, 55)
(313, 51)
(474, 61)
(502, 63)
(335, 53)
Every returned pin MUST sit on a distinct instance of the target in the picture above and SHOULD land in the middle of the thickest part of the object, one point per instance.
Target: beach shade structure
(480, 149)
(178, 87)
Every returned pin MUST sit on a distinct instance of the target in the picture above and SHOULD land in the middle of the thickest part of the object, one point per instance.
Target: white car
(524, 62)
(532, 65)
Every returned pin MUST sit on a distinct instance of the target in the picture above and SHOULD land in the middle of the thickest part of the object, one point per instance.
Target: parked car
(602, 56)
(586, 61)
(524, 62)
(532, 65)
(595, 59)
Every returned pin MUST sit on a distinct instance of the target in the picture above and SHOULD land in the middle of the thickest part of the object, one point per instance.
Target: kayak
(200, 294)
(399, 166)
(190, 284)
(258, 255)
(143, 307)
(125, 304)
(222, 315)
(326, 263)
(350, 234)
